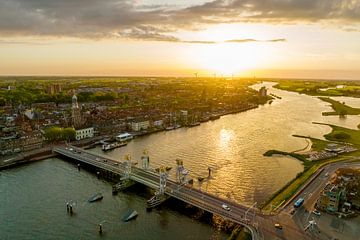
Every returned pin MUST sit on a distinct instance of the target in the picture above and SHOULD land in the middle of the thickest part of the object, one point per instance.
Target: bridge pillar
(127, 166)
(125, 181)
(145, 160)
(159, 196)
(181, 172)
(163, 178)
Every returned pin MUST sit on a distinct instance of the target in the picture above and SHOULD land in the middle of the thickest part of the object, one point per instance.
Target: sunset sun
(230, 58)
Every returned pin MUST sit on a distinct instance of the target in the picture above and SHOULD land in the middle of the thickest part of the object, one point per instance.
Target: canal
(33, 197)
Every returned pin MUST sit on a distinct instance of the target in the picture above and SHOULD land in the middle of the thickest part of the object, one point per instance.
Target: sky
(245, 38)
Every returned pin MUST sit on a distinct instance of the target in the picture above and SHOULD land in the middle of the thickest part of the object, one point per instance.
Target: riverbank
(339, 108)
(46, 152)
(321, 87)
(337, 135)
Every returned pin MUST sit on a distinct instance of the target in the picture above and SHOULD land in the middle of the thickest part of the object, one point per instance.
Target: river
(33, 197)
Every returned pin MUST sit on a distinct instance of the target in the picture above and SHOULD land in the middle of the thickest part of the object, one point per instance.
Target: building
(138, 126)
(84, 133)
(330, 198)
(53, 89)
(184, 117)
(263, 92)
(158, 123)
(75, 113)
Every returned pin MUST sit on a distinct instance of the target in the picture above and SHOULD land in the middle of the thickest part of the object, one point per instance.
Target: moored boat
(130, 214)
(110, 146)
(96, 197)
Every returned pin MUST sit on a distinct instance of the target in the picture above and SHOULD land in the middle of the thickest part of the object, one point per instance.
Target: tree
(68, 134)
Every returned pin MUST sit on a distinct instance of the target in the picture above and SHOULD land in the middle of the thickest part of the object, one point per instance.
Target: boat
(90, 146)
(110, 146)
(214, 117)
(96, 197)
(194, 124)
(123, 137)
(170, 128)
(130, 214)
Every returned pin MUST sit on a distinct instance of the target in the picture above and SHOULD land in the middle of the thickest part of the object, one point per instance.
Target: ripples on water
(33, 206)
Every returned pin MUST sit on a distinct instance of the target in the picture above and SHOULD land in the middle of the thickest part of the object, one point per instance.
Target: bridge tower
(125, 181)
(163, 177)
(159, 196)
(127, 166)
(181, 172)
(145, 160)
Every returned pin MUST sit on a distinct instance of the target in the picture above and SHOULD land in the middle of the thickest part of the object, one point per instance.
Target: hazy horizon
(273, 39)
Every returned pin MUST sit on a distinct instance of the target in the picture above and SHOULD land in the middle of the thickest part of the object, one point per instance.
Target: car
(226, 207)
(316, 212)
(116, 164)
(293, 211)
(326, 174)
(278, 226)
(71, 149)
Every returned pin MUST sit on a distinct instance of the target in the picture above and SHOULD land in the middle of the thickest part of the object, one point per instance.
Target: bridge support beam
(159, 196)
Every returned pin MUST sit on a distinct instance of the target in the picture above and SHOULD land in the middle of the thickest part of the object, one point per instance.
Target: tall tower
(75, 112)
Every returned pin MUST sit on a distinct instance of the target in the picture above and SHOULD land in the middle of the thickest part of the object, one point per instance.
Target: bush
(341, 136)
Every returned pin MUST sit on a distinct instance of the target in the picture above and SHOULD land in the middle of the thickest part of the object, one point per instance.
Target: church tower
(75, 113)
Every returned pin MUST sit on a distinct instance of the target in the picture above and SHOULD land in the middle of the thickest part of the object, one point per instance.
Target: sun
(230, 58)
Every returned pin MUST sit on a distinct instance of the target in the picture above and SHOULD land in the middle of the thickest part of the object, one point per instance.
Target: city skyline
(288, 39)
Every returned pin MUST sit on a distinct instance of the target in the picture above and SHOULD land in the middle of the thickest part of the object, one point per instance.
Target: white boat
(170, 128)
(124, 137)
(110, 146)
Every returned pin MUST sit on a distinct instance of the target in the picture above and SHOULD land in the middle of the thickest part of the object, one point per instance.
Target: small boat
(214, 117)
(194, 124)
(169, 128)
(110, 146)
(96, 197)
(130, 214)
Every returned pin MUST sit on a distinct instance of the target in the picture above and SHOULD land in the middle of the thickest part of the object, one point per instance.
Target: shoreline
(46, 152)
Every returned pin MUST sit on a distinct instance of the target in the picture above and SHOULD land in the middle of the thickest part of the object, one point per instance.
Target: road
(310, 193)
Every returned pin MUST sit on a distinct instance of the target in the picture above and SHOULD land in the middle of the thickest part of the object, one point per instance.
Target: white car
(316, 212)
(226, 207)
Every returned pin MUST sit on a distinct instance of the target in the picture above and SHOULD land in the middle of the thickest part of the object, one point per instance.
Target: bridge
(260, 226)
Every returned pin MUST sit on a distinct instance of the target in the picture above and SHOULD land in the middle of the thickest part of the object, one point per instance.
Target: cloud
(254, 40)
(125, 18)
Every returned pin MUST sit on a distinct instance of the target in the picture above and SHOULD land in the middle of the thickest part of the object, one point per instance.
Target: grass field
(339, 108)
(341, 134)
(321, 87)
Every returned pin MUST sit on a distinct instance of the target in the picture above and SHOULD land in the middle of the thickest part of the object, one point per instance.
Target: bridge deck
(195, 197)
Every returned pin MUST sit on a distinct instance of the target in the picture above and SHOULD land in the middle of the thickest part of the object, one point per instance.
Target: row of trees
(54, 134)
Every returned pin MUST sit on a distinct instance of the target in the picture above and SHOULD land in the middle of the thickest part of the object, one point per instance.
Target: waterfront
(232, 146)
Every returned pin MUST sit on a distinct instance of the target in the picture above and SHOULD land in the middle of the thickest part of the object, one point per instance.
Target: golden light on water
(225, 137)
